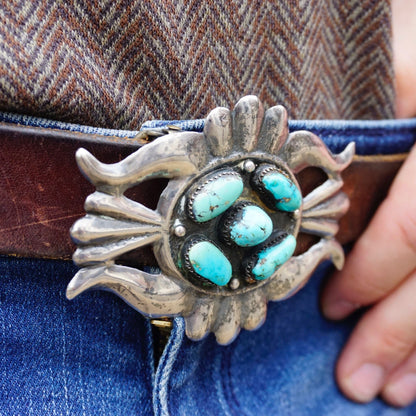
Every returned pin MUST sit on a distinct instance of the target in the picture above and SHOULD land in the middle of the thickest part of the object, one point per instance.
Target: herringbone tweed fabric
(117, 63)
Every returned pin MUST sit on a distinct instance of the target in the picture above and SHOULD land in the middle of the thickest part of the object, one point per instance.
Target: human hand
(380, 356)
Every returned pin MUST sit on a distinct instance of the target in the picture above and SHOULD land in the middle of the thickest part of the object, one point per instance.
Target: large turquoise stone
(216, 196)
(284, 191)
(272, 257)
(208, 261)
(253, 227)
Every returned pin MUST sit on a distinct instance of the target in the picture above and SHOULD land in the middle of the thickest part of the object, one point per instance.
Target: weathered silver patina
(244, 144)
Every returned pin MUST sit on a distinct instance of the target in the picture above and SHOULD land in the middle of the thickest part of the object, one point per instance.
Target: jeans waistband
(370, 136)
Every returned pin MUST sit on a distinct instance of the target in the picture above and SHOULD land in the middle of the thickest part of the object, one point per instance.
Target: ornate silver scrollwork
(225, 228)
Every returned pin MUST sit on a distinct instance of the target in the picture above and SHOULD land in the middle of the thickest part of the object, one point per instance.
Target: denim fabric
(284, 368)
(59, 125)
(93, 355)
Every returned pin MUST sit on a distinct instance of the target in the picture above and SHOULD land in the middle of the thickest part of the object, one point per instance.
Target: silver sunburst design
(224, 231)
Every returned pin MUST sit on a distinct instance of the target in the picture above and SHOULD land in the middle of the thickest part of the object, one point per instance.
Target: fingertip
(401, 392)
(364, 383)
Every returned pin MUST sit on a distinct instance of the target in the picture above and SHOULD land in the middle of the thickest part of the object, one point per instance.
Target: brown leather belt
(42, 191)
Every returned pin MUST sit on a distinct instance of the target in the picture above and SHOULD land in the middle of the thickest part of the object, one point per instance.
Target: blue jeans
(94, 355)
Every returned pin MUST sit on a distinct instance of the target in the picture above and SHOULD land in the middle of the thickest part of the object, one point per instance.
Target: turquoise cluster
(210, 262)
(269, 259)
(216, 196)
(244, 224)
(254, 227)
(285, 192)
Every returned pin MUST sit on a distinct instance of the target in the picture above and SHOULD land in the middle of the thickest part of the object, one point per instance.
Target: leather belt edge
(42, 190)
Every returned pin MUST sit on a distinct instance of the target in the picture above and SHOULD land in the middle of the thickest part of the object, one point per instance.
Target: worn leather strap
(42, 191)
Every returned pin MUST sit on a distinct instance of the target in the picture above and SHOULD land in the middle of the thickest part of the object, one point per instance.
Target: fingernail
(338, 309)
(364, 384)
(402, 392)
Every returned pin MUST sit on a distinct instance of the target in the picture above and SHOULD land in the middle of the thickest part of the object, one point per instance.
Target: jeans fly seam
(161, 392)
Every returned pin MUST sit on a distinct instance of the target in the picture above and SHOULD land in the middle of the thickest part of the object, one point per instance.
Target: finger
(400, 389)
(384, 255)
(383, 339)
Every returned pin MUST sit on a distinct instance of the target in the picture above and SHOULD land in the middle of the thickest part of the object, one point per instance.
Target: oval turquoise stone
(253, 227)
(216, 197)
(208, 261)
(272, 257)
(284, 191)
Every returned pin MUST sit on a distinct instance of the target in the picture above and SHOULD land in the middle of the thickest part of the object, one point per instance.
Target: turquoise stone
(209, 262)
(253, 227)
(272, 257)
(286, 193)
(216, 196)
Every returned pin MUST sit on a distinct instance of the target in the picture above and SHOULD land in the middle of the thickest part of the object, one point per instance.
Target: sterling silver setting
(240, 140)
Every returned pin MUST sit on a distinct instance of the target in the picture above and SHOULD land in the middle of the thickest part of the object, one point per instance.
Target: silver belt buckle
(225, 228)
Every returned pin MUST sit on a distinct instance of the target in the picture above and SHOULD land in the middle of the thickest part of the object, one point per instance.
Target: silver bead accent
(234, 284)
(249, 166)
(296, 214)
(180, 230)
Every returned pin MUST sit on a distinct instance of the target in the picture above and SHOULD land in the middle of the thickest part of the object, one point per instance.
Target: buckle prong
(151, 134)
